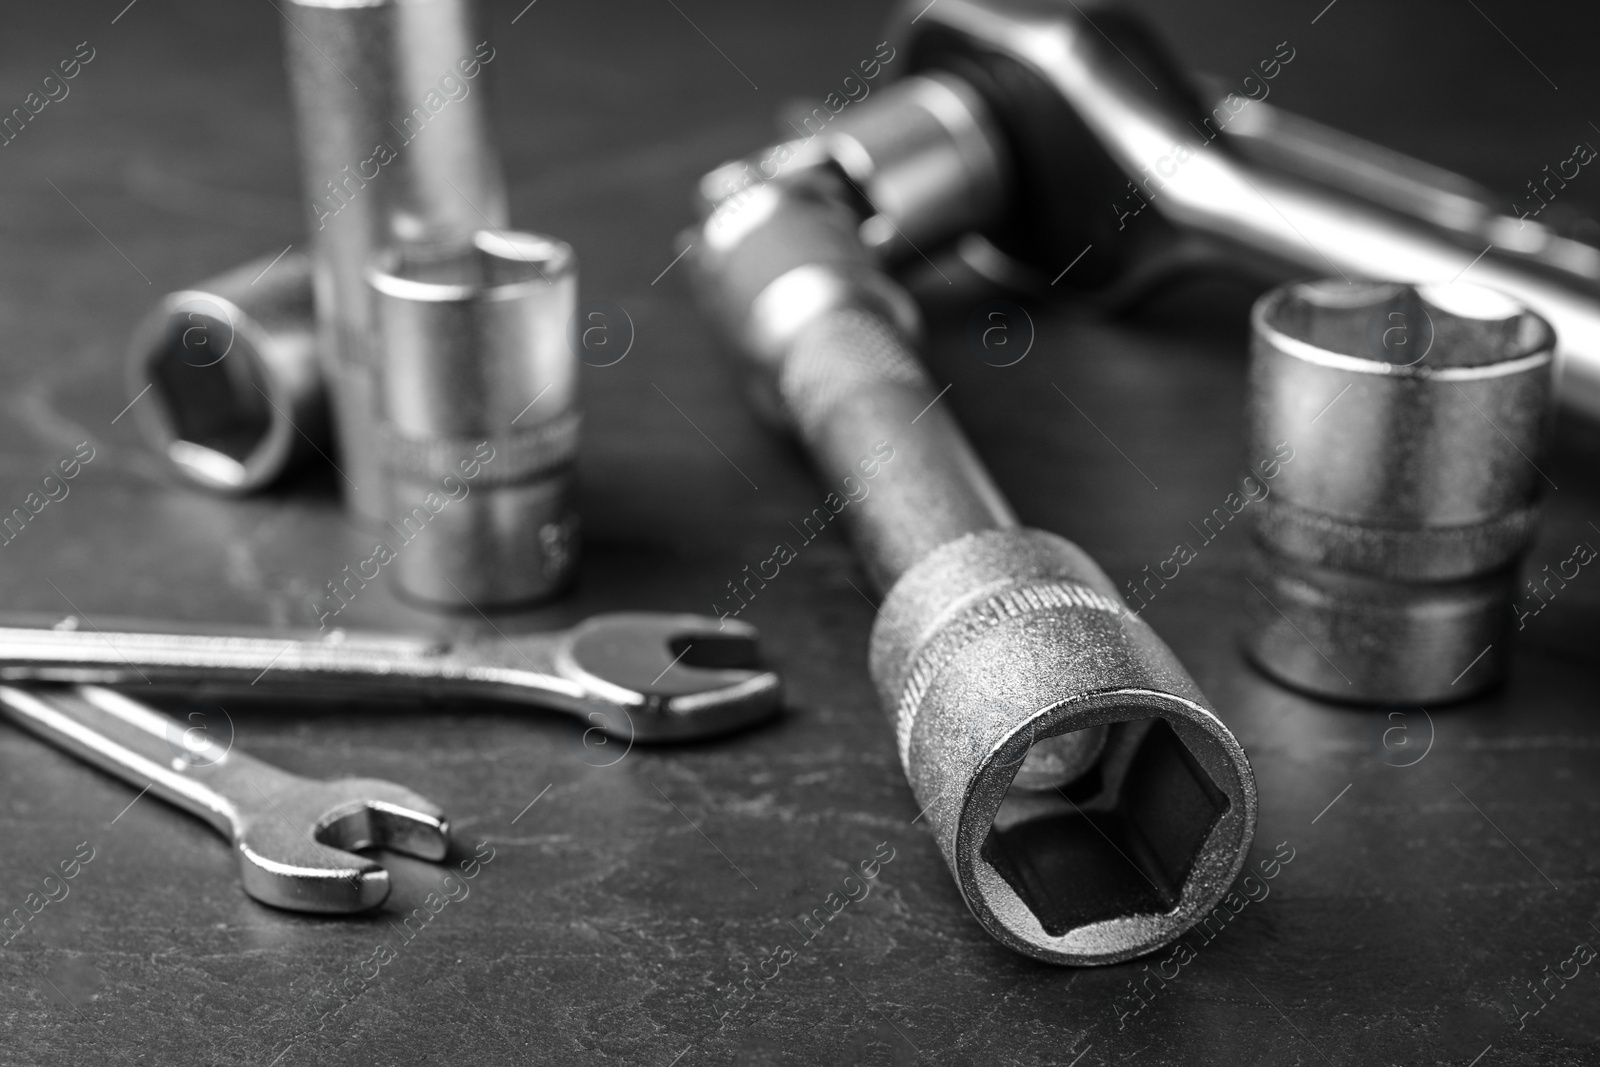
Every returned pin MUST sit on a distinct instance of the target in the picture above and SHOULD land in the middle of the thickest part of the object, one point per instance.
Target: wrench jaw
(661, 678)
(390, 817)
(310, 878)
(297, 850)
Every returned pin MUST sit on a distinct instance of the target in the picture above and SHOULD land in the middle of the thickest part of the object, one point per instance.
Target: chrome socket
(999, 654)
(235, 394)
(1386, 558)
(478, 408)
(390, 105)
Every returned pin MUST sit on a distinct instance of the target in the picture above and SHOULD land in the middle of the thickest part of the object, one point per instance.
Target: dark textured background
(608, 929)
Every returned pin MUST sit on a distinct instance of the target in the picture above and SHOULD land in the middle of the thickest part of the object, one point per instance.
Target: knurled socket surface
(479, 409)
(1386, 555)
(1004, 638)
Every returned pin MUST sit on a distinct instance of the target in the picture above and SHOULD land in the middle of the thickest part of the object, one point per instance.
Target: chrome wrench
(636, 676)
(295, 837)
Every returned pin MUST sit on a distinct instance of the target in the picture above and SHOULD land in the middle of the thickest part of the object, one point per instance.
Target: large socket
(1386, 558)
(478, 416)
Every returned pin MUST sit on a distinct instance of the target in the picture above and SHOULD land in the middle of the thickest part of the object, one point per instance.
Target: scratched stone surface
(1440, 860)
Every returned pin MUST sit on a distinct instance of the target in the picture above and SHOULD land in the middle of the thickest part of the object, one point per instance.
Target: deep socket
(395, 148)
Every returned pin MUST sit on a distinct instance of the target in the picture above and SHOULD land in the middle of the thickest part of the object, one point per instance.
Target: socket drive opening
(208, 384)
(1118, 837)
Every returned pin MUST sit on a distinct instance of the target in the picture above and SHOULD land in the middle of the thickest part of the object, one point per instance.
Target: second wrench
(295, 838)
(637, 676)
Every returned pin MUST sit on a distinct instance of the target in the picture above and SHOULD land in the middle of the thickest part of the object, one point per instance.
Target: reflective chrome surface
(637, 676)
(295, 838)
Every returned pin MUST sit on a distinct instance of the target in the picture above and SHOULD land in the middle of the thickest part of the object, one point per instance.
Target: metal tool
(295, 837)
(636, 676)
(943, 158)
(395, 148)
(1000, 652)
(1041, 135)
(230, 366)
(1386, 555)
(478, 401)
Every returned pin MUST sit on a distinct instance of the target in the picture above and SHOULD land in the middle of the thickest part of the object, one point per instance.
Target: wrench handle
(139, 745)
(338, 664)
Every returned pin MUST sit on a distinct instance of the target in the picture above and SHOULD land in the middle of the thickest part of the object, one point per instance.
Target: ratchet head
(297, 837)
(669, 677)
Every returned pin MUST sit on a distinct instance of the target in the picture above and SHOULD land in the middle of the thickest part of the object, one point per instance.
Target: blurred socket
(479, 417)
(235, 395)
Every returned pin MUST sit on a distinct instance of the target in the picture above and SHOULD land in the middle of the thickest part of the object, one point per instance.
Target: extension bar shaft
(862, 402)
(995, 644)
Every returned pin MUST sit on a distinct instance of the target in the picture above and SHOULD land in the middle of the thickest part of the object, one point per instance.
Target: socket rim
(1217, 862)
(553, 259)
(151, 340)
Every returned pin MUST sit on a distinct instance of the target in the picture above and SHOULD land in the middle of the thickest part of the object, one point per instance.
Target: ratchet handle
(137, 744)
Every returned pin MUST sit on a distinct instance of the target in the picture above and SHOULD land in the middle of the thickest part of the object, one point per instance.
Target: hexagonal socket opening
(216, 407)
(1454, 325)
(1119, 839)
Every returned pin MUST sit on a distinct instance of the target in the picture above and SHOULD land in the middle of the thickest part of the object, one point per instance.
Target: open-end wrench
(637, 676)
(295, 837)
